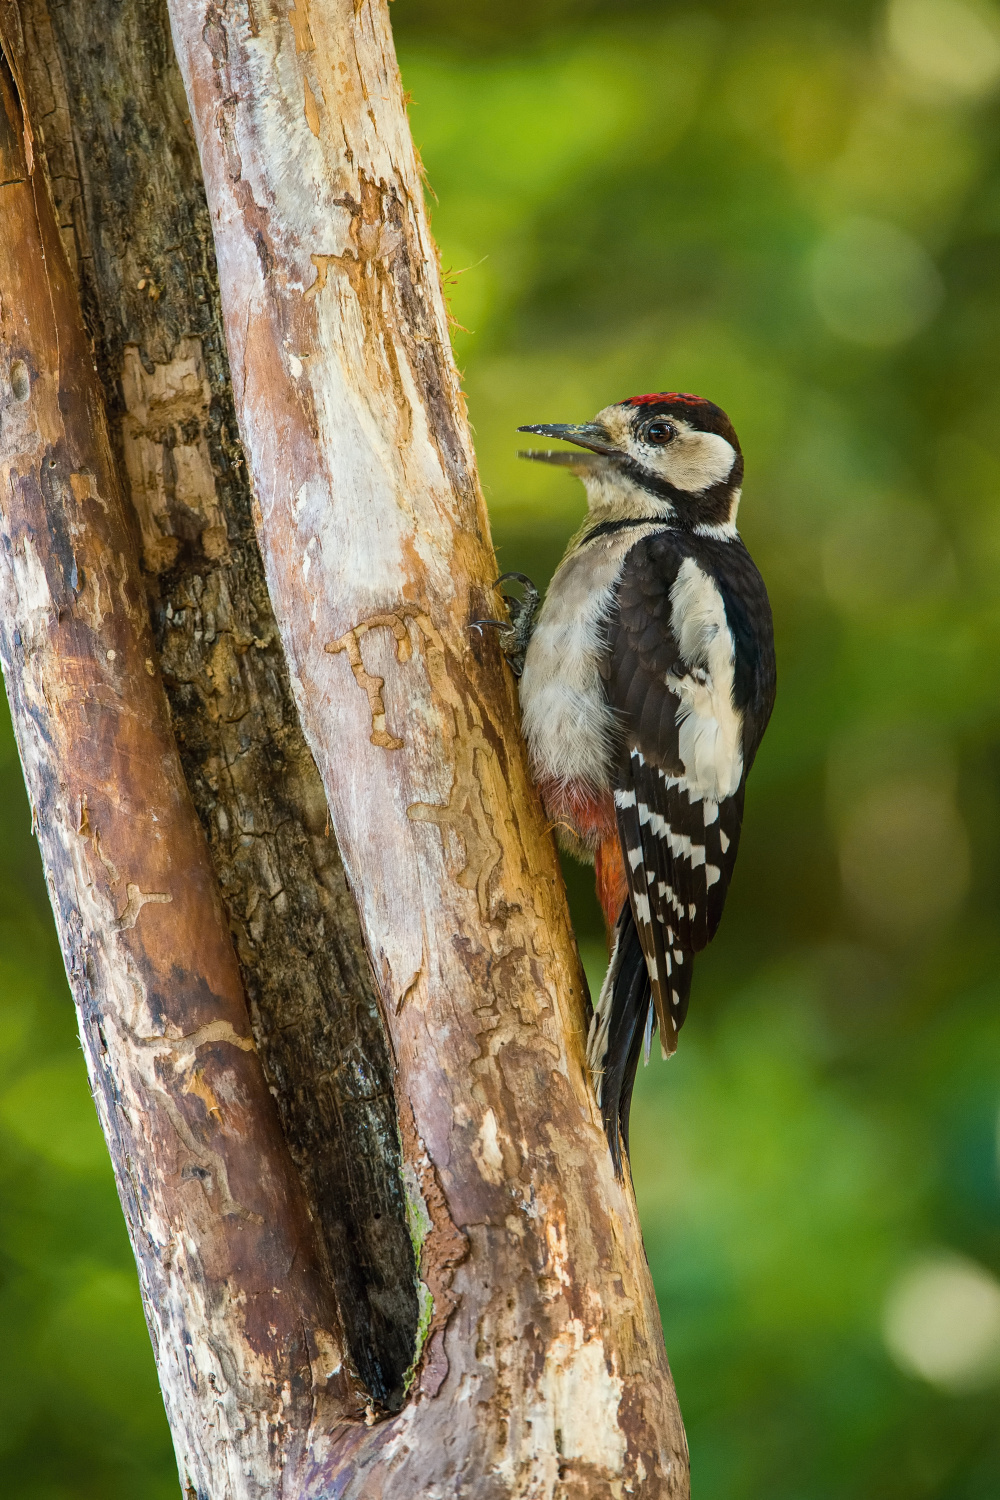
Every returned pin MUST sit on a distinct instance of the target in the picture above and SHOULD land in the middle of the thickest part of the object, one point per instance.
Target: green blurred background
(794, 209)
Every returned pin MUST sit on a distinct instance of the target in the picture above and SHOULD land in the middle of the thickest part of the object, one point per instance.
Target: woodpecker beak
(577, 463)
(585, 435)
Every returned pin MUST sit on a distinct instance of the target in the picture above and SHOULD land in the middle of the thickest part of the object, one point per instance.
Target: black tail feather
(630, 1002)
(631, 999)
(628, 1083)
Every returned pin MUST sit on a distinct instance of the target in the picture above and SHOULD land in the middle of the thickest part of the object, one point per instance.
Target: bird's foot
(515, 635)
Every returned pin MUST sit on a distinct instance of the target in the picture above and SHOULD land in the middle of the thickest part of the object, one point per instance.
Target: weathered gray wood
(121, 156)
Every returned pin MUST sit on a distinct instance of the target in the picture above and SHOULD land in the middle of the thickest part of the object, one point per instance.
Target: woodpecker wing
(670, 674)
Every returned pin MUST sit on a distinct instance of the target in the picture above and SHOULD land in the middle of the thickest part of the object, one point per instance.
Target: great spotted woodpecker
(647, 682)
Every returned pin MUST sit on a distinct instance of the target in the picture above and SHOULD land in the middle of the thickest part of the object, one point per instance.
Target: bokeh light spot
(951, 44)
(941, 1321)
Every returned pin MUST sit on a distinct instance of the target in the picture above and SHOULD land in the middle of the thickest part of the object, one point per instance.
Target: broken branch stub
(542, 1370)
(245, 1330)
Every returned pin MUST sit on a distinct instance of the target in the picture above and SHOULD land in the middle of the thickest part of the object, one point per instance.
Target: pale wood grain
(544, 1373)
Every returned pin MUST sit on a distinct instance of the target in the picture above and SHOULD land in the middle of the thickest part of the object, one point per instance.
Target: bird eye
(659, 433)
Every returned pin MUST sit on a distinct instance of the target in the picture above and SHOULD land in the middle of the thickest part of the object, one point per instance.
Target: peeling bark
(244, 1323)
(124, 169)
(540, 1368)
(544, 1372)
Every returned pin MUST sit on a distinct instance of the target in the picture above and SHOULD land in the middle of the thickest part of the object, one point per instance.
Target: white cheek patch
(695, 461)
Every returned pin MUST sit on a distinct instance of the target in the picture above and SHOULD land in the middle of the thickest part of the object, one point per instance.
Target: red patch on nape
(666, 396)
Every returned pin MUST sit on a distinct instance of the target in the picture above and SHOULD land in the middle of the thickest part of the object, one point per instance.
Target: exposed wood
(115, 138)
(542, 1370)
(243, 1321)
(543, 1373)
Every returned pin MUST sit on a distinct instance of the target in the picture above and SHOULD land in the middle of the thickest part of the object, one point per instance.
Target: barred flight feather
(675, 680)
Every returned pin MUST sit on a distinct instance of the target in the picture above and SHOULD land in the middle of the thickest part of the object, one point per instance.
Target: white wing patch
(709, 726)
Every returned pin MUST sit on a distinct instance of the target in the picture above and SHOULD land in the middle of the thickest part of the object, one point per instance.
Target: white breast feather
(709, 726)
(565, 716)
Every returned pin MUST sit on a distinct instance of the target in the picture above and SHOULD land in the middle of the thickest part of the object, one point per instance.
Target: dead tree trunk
(300, 1351)
(122, 162)
(226, 1251)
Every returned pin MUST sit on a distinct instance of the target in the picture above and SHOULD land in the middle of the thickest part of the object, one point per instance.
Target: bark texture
(542, 1367)
(244, 1322)
(120, 155)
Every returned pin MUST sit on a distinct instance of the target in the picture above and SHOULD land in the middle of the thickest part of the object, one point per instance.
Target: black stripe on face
(611, 528)
(691, 508)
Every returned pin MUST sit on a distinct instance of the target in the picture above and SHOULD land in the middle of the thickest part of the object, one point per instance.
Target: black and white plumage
(648, 682)
(689, 674)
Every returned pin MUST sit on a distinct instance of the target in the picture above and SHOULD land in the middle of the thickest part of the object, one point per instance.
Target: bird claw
(521, 578)
(514, 637)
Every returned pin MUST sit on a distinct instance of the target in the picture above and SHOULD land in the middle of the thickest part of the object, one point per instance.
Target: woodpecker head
(677, 451)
